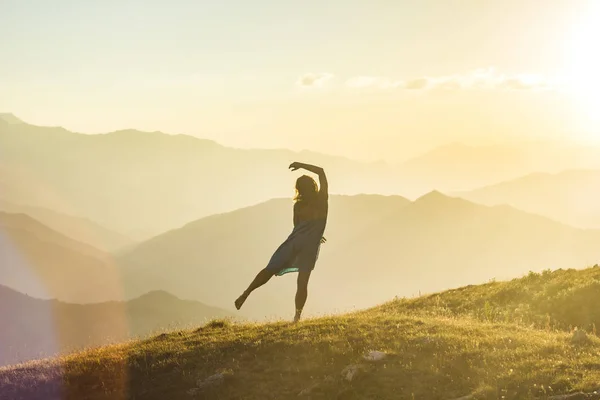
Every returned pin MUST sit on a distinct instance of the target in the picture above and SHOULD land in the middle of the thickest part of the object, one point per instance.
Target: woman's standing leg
(301, 293)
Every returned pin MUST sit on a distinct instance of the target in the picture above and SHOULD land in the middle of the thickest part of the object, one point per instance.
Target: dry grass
(551, 300)
(434, 356)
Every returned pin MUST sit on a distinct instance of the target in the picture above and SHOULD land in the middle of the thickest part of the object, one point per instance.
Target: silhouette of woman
(299, 252)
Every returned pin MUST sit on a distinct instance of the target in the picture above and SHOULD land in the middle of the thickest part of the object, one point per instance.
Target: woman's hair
(306, 189)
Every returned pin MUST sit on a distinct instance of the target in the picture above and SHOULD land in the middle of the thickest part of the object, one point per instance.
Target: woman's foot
(297, 316)
(240, 301)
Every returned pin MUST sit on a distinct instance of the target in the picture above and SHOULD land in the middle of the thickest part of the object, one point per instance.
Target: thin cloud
(478, 79)
(450, 84)
(363, 82)
(417, 84)
(481, 78)
(314, 80)
(523, 82)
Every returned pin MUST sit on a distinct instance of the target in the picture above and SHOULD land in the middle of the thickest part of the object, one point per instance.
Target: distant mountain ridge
(141, 184)
(570, 196)
(376, 251)
(130, 180)
(10, 118)
(32, 328)
(76, 228)
(459, 167)
(37, 260)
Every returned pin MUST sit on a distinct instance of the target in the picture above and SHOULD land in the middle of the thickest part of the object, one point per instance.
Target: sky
(365, 79)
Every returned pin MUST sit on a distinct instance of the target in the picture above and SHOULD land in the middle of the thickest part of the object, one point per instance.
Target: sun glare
(582, 78)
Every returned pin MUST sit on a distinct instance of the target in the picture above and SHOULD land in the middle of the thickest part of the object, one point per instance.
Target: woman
(299, 252)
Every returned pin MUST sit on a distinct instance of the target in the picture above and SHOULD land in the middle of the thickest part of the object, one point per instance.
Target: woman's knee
(303, 278)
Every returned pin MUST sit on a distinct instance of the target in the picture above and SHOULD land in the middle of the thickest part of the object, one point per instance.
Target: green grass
(442, 347)
(553, 300)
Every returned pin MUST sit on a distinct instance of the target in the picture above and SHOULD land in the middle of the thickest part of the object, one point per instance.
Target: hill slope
(568, 196)
(32, 328)
(41, 262)
(77, 228)
(560, 299)
(429, 357)
(373, 253)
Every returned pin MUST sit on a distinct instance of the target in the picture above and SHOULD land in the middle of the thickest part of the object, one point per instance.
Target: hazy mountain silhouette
(144, 183)
(10, 118)
(80, 229)
(375, 251)
(32, 328)
(133, 181)
(569, 196)
(39, 261)
(215, 257)
(439, 241)
(458, 166)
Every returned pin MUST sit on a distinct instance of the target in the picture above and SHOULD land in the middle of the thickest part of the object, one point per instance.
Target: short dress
(300, 251)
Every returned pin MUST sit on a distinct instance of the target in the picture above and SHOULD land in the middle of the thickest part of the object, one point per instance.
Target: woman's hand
(323, 240)
(295, 165)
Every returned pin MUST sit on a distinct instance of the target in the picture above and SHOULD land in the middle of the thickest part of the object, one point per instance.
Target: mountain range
(570, 196)
(378, 247)
(102, 236)
(141, 184)
(78, 228)
(37, 260)
(35, 328)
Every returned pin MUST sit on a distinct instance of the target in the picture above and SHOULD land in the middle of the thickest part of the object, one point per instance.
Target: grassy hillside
(33, 327)
(431, 355)
(378, 247)
(551, 300)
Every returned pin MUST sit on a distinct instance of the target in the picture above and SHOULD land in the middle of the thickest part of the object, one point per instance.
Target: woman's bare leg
(301, 293)
(261, 278)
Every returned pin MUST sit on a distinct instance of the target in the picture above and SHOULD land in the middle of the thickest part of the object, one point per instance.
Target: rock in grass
(317, 385)
(375, 356)
(577, 396)
(213, 380)
(352, 371)
(579, 337)
(309, 390)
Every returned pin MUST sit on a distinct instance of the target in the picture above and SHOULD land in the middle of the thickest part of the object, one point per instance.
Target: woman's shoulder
(323, 195)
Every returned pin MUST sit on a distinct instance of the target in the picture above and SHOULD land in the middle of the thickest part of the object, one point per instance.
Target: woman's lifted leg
(261, 278)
